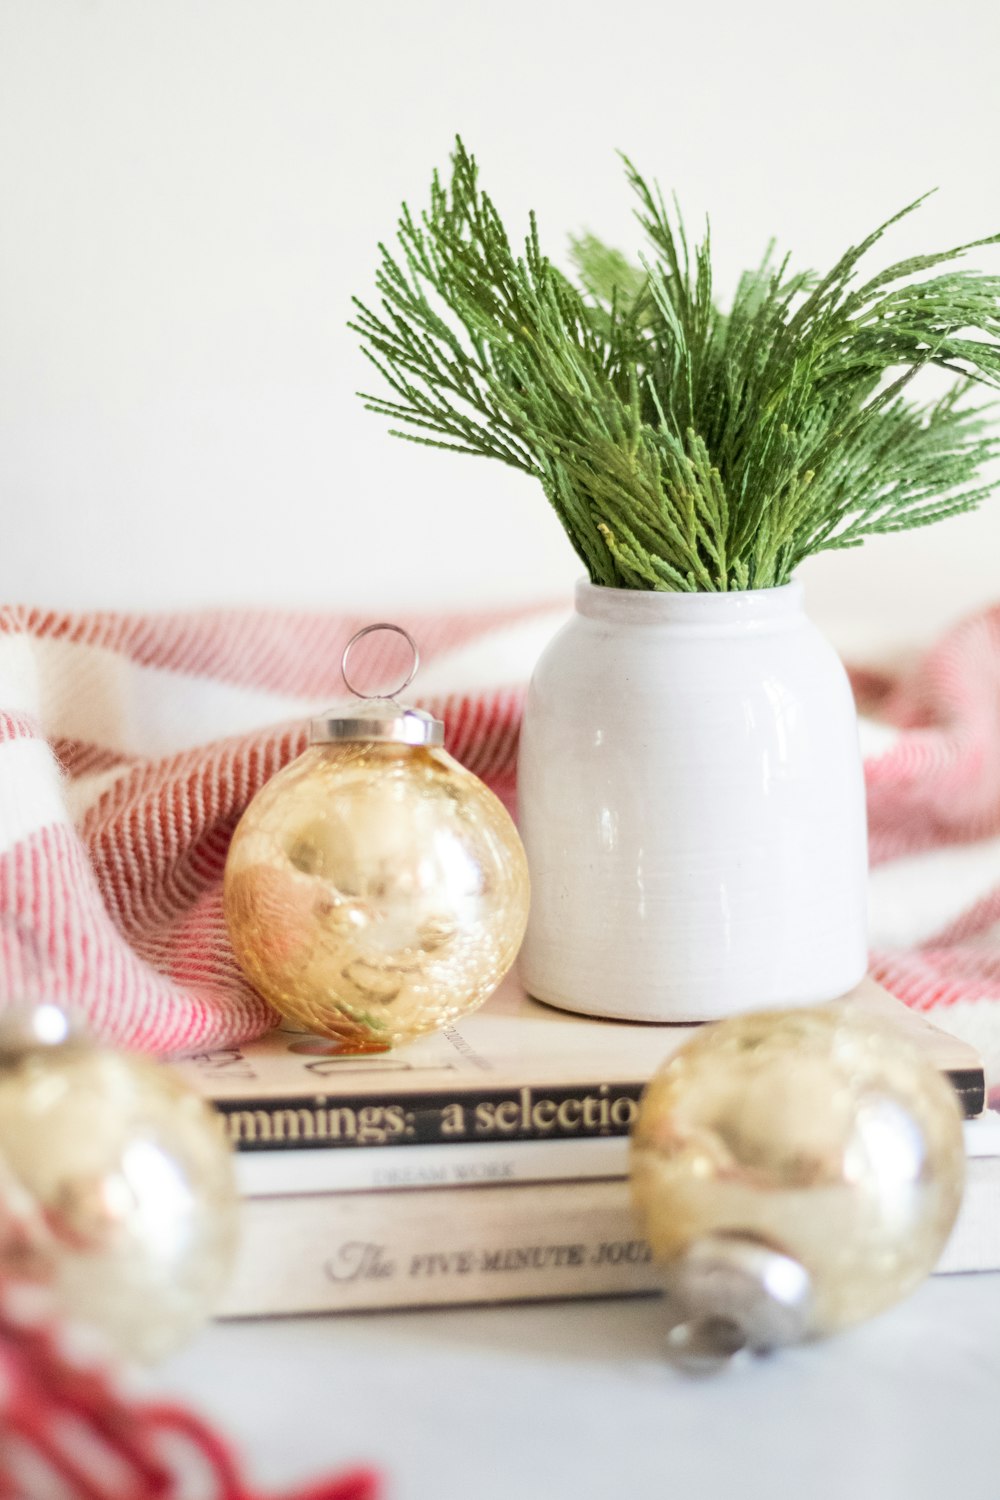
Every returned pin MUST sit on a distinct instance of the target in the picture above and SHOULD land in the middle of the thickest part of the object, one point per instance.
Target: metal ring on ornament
(368, 630)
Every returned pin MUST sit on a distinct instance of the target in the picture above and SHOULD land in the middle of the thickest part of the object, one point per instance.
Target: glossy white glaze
(692, 804)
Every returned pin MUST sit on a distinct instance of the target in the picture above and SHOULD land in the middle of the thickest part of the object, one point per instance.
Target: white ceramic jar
(692, 804)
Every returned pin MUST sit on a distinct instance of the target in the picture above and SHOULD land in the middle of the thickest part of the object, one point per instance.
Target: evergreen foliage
(684, 448)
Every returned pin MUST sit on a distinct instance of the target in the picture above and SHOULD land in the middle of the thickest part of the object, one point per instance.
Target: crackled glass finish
(821, 1133)
(374, 892)
(117, 1190)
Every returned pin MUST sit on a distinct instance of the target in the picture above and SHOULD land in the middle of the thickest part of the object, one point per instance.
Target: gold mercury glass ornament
(794, 1172)
(117, 1187)
(374, 888)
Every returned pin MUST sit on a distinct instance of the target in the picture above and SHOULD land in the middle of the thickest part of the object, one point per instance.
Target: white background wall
(190, 190)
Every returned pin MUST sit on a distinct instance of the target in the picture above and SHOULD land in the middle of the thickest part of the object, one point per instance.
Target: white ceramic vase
(692, 804)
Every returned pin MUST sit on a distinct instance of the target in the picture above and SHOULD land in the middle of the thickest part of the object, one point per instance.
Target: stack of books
(485, 1163)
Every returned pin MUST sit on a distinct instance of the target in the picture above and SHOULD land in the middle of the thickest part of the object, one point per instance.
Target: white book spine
(359, 1169)
(264, 1174)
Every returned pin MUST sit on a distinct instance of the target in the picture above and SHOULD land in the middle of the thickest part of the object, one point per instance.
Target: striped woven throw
(130, 744)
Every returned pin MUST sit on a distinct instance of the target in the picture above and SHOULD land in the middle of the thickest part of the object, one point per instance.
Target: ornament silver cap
(381, 718)
(387, 721)
(729, 1293)
(26, 1028)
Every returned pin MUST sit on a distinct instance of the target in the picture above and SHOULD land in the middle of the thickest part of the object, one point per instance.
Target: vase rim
(597, 601)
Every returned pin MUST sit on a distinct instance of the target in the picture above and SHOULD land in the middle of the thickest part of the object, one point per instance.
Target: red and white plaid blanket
(130, 744)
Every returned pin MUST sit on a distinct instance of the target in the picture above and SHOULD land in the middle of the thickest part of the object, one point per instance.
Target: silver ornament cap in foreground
(729, 1293)
(28, 1027)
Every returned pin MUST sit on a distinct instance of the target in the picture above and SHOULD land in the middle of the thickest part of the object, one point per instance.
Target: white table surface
(572, 1401)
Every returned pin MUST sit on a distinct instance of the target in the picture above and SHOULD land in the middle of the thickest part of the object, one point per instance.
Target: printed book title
(527, 1114)
(366, 1260)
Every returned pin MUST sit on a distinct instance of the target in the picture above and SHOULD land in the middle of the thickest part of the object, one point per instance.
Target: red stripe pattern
(117, 804)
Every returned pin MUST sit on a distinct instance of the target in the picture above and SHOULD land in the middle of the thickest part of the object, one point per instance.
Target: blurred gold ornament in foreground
(117, 1187)
(794, 1172)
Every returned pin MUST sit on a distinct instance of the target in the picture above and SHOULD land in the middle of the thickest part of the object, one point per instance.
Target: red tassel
(125, 1455)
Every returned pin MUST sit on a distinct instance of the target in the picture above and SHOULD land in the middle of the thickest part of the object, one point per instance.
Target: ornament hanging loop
(381, 719)
(369, 630)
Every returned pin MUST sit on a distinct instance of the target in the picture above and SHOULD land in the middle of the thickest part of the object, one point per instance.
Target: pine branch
(681, 447)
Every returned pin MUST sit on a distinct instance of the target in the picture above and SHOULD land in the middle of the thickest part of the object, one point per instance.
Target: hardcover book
(525, 1111)
(516, 1070)
(350, 1252)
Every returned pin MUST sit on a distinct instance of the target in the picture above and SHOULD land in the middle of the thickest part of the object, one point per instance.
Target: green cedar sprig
(684, 448)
